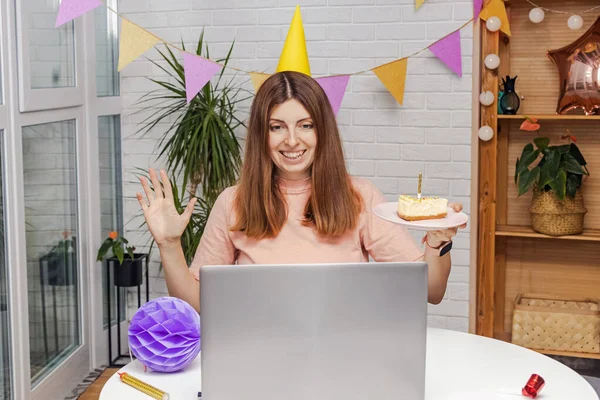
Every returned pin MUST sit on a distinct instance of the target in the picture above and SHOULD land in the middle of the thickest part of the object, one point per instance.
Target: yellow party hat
(294, 56)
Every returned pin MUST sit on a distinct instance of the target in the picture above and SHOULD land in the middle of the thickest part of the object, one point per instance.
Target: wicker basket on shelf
(544, 323)
(554, 217)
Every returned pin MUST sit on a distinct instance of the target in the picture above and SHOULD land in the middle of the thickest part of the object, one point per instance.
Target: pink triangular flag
(335, 88)
(448, 51)
(198, 71)
(71, 9)
(477, 5)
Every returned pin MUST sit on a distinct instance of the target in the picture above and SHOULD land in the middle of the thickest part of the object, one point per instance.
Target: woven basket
(544, 323)
(554, 217)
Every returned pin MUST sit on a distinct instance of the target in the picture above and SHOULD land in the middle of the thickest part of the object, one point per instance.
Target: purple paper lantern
(164, 334)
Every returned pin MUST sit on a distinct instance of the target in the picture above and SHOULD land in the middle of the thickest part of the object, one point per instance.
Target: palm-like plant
(200, 144)
(195, 228)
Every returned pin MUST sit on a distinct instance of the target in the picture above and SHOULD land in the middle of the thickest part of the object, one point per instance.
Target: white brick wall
(385, 142)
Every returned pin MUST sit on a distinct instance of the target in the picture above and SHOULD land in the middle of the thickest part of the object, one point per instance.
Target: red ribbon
(534, 386)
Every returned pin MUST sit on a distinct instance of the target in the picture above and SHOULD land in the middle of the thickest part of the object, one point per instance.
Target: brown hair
(334, 204)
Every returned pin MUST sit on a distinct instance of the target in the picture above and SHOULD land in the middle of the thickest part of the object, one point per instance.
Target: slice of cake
(414, 209)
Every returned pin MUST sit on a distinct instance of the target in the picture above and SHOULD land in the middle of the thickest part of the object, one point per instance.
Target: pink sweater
(298, 244)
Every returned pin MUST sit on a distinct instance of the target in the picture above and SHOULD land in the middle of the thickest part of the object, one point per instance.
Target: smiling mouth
(293, 155)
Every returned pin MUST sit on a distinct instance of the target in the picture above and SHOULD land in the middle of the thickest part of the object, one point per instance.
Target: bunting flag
(71, 9)
(198, 71)
(477, 4)
(134, 42)
(393, 77)
(448, 51)
(334, 87)
(496, 8)
(258, 79)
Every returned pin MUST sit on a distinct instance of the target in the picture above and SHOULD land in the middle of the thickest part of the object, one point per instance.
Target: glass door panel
(5, 354)
(51, 215)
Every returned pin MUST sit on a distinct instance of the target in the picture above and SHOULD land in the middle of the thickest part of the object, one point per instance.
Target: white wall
(385, 142)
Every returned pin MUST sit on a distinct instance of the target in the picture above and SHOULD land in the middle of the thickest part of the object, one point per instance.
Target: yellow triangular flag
(419, 3)
(258, 79)
(393, 76)
(294, 56)
(134, 42)
(496, 8)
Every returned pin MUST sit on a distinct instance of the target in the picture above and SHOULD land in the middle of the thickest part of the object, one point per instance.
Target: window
(51, 50)
(107, 50)
(51, 218)
(111, 200)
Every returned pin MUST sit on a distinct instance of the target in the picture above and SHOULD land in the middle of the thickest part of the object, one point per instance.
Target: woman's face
(292, 140)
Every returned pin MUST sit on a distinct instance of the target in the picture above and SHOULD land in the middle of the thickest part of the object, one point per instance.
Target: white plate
(389, 212)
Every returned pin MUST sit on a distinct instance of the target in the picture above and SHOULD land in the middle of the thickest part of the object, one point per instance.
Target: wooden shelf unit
(588, 235)
(550, 117)
(511, 257)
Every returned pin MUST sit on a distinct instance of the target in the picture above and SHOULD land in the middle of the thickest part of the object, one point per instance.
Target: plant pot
(61, 269)
(551, 216)
(128, 274)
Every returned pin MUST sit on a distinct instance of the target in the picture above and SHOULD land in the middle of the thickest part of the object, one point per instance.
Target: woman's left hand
(437, 238)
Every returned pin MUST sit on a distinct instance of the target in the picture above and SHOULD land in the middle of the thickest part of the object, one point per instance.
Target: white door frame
(81, 104)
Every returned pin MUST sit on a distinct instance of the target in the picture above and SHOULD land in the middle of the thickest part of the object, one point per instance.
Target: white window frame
(40, 99)
(24, 107)
(95, 108)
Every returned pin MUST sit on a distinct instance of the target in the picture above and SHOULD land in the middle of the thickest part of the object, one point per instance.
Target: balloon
(578, 67)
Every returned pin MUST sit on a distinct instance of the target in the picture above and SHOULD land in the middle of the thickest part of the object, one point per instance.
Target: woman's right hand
(165, 223)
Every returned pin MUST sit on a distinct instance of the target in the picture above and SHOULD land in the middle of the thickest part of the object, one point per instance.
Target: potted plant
(127, 265)
(555, 175)
(198, 139)
(61, 261)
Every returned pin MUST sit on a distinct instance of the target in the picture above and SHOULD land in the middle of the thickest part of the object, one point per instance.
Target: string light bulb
(492, 61)
(575, 22)
(486, 133)
(536, 15)
(486, 98)
(493, 24)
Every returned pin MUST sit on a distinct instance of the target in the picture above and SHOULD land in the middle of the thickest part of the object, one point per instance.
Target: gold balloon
(579, 73)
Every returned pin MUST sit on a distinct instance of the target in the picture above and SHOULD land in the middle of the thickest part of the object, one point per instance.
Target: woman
(294, 203)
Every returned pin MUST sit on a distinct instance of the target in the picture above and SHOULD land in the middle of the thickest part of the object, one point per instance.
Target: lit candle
(419, 188)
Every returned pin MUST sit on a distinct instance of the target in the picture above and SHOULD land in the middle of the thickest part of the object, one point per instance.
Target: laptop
(314, 331)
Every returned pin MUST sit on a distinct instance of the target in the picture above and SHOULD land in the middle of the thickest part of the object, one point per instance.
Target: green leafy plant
(200, 144)
(118, 245)
(560, 169)
(195, 228)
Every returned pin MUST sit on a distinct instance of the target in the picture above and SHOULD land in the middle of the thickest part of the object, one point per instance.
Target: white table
(460, 366)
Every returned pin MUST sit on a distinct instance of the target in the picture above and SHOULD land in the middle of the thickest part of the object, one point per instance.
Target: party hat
(294, 56)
